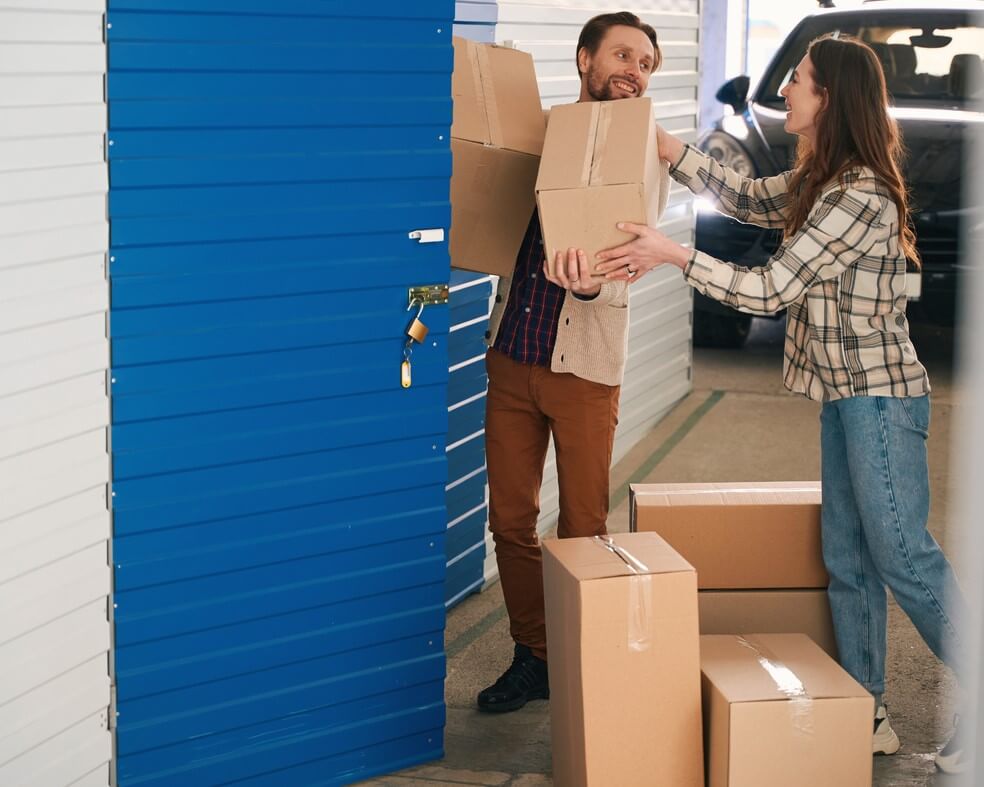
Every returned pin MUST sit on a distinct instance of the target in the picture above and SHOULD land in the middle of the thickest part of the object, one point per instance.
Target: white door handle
(428, 236)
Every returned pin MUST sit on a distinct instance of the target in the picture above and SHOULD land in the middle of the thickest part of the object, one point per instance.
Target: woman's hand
(572, 271)
(633, 260)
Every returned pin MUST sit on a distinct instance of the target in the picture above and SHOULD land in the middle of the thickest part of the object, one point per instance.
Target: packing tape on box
(600, 142)
(788, 684)
(748, 490)
(489, 103)
(640, 595)
(589, 148)
(479, 62)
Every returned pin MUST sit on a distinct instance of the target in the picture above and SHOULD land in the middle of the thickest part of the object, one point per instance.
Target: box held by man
(496, 140)
(600, 166)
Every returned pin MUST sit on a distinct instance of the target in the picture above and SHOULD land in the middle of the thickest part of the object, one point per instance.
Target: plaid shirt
(841, 278)
(528, 330)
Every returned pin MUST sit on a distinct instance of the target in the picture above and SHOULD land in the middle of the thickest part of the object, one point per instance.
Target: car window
(928, 58)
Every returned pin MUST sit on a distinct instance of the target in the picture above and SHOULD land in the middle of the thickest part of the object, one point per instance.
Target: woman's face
(804, 100)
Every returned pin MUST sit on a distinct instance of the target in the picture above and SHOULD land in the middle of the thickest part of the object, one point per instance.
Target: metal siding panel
(55, 688)
(78, 749)
(279, 501)
(470, 306)
(548, 30)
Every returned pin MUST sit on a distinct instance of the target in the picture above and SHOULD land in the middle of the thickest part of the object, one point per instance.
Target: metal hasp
(428, 294)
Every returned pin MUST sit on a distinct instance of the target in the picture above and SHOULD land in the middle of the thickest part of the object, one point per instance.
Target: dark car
(931, 54)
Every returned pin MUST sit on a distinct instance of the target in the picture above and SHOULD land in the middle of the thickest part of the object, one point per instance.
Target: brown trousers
(525, 405)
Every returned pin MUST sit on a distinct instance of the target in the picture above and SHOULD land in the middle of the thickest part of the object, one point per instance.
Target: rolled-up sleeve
(842, 228)
(760, 201)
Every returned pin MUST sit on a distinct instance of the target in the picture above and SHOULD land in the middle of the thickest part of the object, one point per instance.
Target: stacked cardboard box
(756, 548)
(624, 666)
(778, 712)
(496, 140)
(600, 166)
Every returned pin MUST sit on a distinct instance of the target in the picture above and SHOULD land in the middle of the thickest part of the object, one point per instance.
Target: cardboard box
(738, 536)
(778, 711)
(622, 641)
(492, 201)
(769, 612)
(496, 140)
(600, 166)
(496, 97)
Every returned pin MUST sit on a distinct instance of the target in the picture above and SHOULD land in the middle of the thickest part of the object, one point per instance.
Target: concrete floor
(738, 424)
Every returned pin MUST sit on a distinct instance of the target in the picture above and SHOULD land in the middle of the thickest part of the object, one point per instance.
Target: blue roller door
(470, 293)
(280, 518)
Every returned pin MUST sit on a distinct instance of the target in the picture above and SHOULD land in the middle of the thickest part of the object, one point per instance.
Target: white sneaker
(884, 741)
(954, 758)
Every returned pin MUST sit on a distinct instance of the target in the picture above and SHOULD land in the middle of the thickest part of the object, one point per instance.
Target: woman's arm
(841, 228)
(761, 201)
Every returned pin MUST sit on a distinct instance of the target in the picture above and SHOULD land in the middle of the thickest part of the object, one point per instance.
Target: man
(555, 364)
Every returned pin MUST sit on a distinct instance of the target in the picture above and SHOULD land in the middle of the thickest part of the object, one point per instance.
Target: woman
(840, 274)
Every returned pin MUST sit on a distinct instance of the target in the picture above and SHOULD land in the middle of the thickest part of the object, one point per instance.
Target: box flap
(624, 143)
(598, 143)
(512, 99)
(617, 555)
(566, 160)
(496, 97)
(470, 118)
(773, 667)
(730, 494)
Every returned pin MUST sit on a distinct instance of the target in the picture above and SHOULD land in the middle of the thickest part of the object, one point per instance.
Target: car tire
(724, 331)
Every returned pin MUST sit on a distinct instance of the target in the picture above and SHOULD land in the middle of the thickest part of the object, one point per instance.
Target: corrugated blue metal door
(280, 515)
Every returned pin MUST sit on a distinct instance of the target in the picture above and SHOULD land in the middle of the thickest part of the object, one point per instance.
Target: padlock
(417, 330)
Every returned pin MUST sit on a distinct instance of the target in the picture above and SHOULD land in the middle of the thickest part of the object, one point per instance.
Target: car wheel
(721, 330)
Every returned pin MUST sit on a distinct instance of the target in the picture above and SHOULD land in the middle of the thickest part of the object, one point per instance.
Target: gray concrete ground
(738, 424)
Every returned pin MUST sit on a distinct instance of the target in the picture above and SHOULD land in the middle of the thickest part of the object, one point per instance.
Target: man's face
(620, 68)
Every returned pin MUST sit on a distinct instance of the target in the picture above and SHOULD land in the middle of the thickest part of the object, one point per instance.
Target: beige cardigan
(592, 336)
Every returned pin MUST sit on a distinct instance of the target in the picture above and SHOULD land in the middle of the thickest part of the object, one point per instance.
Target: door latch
(428, 236)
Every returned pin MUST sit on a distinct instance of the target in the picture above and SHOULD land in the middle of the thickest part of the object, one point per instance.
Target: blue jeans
(875, 480)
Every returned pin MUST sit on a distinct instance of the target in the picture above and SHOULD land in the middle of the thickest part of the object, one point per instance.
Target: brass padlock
(417, 330)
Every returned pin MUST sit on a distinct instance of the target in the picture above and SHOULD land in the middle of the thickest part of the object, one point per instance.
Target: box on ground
(778, 712)
(496, 139)
(769, 612)
(751, 536)
(622, 640)
(600, 166)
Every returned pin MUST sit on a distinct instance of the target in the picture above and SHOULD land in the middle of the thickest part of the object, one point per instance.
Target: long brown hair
(853, 128)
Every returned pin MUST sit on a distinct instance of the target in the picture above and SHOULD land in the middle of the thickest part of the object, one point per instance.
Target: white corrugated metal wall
(54, 409)
(658, 373)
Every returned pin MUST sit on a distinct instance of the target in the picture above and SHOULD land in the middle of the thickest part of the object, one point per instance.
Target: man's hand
(670, 147)
(572, 271)
(633, 260)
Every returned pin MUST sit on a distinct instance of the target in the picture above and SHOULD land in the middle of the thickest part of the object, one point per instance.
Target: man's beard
(600, 86)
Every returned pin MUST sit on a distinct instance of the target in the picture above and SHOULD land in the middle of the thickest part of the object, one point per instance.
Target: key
(406, 380)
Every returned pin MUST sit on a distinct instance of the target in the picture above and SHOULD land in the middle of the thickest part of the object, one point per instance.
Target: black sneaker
(525, 680)
(954, 757)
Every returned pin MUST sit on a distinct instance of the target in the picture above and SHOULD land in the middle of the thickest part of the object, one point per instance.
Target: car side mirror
(734, 93)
